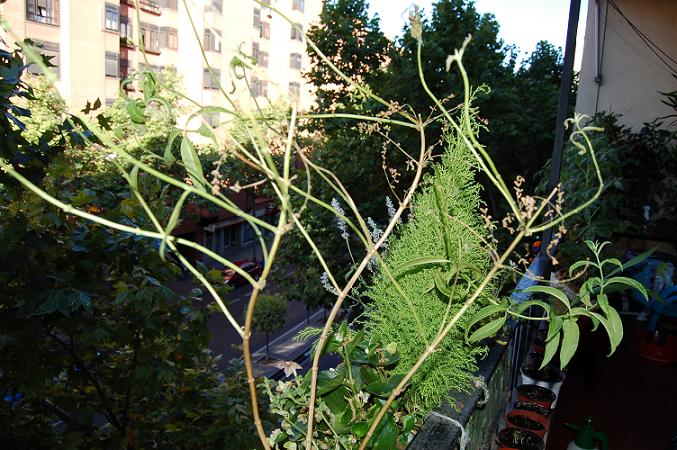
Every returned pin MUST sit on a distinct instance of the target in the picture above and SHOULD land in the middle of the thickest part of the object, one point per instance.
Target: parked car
(232, 278)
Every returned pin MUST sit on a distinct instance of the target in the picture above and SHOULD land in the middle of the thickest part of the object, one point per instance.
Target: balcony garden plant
(434, 297)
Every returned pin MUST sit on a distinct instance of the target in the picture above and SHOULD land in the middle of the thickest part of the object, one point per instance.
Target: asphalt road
(225, 339)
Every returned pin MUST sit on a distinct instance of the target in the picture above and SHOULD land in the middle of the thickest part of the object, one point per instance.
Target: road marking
(294, 330)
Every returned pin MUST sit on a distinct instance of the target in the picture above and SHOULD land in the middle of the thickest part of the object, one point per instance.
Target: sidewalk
(285, 348)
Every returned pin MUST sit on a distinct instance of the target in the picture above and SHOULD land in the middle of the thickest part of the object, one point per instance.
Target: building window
(257, 18)
(150, 37)
(262, 59)
(126, 32)
(217, 5)
(259, 88)
(111, 20)
(297, 33)
(170, 4)
(124, 69)
(209, 81)
(151, 5)
(255, 51)
(294, 90)
(220, 239)
(212, 41)
(43, 11)
(265, 30)
(299, 5)
(169, 38)
(296, 61)
(50, 50)
(112, 64)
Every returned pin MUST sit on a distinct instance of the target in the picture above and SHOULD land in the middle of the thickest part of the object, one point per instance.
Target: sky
(522, 22)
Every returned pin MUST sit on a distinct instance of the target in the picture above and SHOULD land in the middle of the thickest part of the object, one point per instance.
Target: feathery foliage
(453, 191)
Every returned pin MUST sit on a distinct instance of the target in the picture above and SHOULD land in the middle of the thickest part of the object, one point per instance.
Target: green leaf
(482, 314)
(579, 264)
(424, 261)
(603, 302)
(135, 112)
(634, 261)
(386, 434)
(336, 400)
(613, 261)
(628, 282)
(191, 162)
(384, 388)
(169, 156)
(523, 306)
(616, 324)
(570, 337)
(442, 286)
(328, 380)
(408, 423)
(548, 290)
(487, 330)
(550, 349)
(554, 327)
(360, 429)
(173, 220)
(609, 329)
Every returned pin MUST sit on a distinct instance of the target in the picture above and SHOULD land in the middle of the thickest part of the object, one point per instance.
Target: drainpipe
(564, 90)
(523, 330)
(598, 60)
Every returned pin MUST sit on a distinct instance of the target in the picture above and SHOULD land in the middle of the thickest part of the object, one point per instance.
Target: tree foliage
(97, 351)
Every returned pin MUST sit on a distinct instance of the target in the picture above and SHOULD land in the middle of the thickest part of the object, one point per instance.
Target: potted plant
(519, 439)
(533, 407)
(527, 420)
(536, 394)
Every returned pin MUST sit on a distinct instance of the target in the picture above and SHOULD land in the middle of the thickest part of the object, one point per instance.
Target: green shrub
(453, 191)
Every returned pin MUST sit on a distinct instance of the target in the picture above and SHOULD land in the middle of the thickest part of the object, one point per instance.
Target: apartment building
(97, 43)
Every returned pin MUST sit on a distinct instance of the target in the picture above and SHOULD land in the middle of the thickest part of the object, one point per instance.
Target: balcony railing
(151, 5)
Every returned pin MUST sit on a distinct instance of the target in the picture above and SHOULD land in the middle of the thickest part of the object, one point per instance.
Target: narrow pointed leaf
(609, 329)
(482, 314)
(616, 325)
(554, 328)
(191, 161)
(169, 156)
(424, 261)
(442, 286)
(570, 337)
(550, 350)
(548, 290)
(523, 306)
(634, 261)
(487, 330)
(134, 178)
(173, 220)
(630, 283)
(578, 265)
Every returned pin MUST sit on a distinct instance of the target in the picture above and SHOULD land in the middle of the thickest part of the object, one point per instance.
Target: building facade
(629, 58)
(97, 43)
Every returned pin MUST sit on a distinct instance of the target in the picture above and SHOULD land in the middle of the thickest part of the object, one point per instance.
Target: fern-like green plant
(438, 258)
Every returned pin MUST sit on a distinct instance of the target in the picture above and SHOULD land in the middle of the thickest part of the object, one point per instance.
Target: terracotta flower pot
(519, 439)
(536, 394)
(527, 420)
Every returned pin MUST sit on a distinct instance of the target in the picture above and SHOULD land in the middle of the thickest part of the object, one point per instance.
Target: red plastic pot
(536, 394)
(533, 407)
(538, 424)
(519, 439)
(662, 351)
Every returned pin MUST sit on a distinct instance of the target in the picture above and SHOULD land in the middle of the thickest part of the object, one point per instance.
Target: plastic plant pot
(527, 420)
(533, 407)
(548, 377)
(519, 439)
(536, 394)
